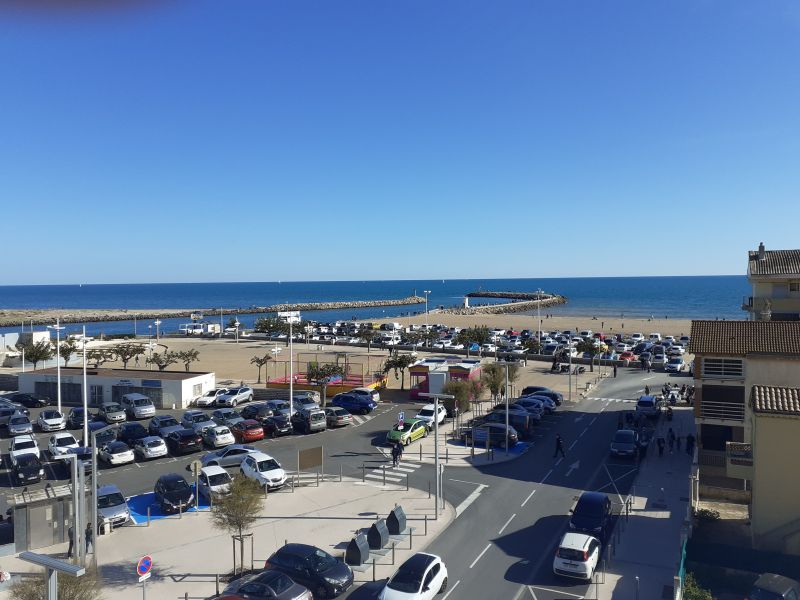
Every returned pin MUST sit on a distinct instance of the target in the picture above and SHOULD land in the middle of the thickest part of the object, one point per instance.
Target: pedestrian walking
(71, 535)
(649, 367)
(671, 440)
(89, 538)
(559, 447)
(678, 443)
(397, 453)
(690, 444)
(136, 361)
(647, 390)
(615, 371)
(660, 442)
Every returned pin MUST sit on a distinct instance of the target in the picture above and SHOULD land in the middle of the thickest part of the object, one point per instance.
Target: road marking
(544, 589)
(558, 462)
(582, 432)
(530, 496)
(470, 499)
(572, 445)
(470, 482)
(502, 529)
(621, 501)
(380, 477)
(548, 475)
(578, 419)
(474, 562)
(572, 467)
(592, 422)
(450, 591)
(648, 378)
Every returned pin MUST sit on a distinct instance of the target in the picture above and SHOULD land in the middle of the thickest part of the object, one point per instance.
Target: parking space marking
(503, 528)
(450, 591)
(474, 562)
(548, 474)
(544, 589)
(524, 502)
(614, 483)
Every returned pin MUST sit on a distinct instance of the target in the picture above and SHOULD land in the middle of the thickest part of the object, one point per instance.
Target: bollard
(317, 478)
(429, 490)
(384, 475)
(216, 582)
(363, 472)
(340, 473)
(186, 596)
(265, 491)
(637, 588)
(180, 512)
(411, 538)
(285, 542)
(420, 452)
(446, 453)
(373, 569)
(603, 572)
(148, 516)
(393, 545)
(406, 481)
(426, 524)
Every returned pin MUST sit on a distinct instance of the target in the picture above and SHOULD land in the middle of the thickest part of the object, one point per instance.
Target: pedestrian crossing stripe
(626, 400)
(380, 477)
(361, 419)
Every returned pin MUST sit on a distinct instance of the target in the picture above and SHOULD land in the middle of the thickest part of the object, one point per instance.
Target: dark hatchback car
(277, 425)
(775, 587)
(109, 433)
(554, 396)
(259, 411)
(534, 389)
(29, 400)
(354, 404)
(163, 425)
(267, 585)
(173, 493)
(324, 575)
(519, 419)
(76, 418)
(131, 431)
(494, 432)
(28, 469)
(184, 441)
(592, 515)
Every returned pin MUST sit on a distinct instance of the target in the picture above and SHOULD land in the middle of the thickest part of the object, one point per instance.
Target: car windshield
(646, 403)
(269, 464)
(51, 414)
(111, 408)
(18, 420)
(154, 443)
(141, 402)
(168, 422)
(24, 445)
(199, 418)
(65, 441)
(589, 508)
(426, 412)
(406, 580)
(623, 437)
(118, 447)
(28, 460)
(762, 594)
(112, 499)
(252, 426)
(321, 561)
(219, 479)
(221, 431)
(571, 554)
(175, 485)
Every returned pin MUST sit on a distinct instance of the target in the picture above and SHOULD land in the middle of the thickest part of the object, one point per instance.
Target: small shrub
(693, 591)
(707, 514)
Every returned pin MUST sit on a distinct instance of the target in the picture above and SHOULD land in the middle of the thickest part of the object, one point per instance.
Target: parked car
(259, 411)
(427, 412)
(324, 575)
(625, 443)
(248, 430)
(648, 406)
(519, 418)
(60, 443)
(173, 493)
(111, 506)
(354, 404)
(592, 514)
(304, 403)
(111, 413)
(163, 425)
(277, 425)
(77, 416)
(495, 432)
(116, 453)
(218, 436)
(130, 432)
(137, 406)
(84, 455)
(230, 456)
(23, 444)
(369, 393)
(421, 577)
(265, 585)
(577, 556)
(530, 390)
(7, 411)
(27, 468)
(226, 416)
(51, 420)
(309, 421)
(659, 360)
(210, 397)
(105, 433)
(337, 417)
(675, 365)
(234, 396)
(197, 420)
(183, 441)
(410, 431)
(280, 406)
(556, 397)
(19, 424)
(676, 350)
(770, 586)
(150, 447)
(263, 469)
(531, 404)
(214, 481)
(548, 405)
(29, 400)
(627, 357)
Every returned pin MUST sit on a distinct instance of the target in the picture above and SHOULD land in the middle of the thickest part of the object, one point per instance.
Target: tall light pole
(236, 324)
(95, 487)
(426, 292)
(506, 395)
(291, 371)
(85, 393)
(157, 322)
(539, 312)
(58, 329)
(436, 398)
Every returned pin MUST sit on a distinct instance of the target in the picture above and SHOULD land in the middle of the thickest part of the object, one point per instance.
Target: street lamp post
(58, 329)
(236, 324)
(53, 567)
(157, 322)
(539, 312)
(77, 528)
(426, 292)
(436, 398)
(85, 391)
(95, 487)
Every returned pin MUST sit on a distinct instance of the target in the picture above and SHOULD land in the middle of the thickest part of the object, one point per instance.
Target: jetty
(521, 301)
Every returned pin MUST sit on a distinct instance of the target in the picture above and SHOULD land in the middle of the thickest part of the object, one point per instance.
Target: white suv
(264, 469)
(577, 556)
(426, 414)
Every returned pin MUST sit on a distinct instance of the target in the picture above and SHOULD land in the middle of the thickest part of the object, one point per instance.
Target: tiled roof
(775, 400)
(776, 262)
(740, 338)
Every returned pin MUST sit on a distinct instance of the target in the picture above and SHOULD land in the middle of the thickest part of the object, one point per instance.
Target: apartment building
(775, 279)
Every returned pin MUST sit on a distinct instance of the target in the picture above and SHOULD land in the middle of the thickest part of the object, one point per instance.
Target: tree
(474, 335)
(87, 587)
(532, 346)
(98, 356)
(162, 361)
(271, 325)
(322, 375)
(429, 336)
(588, 347)
(366, 335)
(231, 322)
(494, 377)
(398, 363)
(187, 357)
(462, 390)
(694, 591)
(67, 349)
(126, 352)
(238, 511)
(36, 353)
(260, 361)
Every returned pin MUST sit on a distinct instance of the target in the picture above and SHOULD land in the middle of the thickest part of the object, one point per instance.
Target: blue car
(354, 404)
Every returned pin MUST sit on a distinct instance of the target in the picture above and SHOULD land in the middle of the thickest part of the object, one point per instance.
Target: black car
(324, 575)
(131, 431)
(592, 514)
(534, 389)
(29, 400)
(109, 433)
(494, 432)
(28, 469)
(259, 411)
(554, 396)
(76, 418)
(84, 455)
(770, 586)
(277, 425)
(173, 493)
(183, 441)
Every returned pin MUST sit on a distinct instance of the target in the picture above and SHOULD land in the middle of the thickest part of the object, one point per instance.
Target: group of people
(673, 441)
(88, 536)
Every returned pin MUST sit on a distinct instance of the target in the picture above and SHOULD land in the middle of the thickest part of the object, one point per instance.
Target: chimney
(761, 254)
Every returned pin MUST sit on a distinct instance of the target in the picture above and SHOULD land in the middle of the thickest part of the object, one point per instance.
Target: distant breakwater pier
(12, 317)
(520, 302)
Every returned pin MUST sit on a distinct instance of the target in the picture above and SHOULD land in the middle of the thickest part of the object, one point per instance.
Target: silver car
(197, 420)
(112, 506)
(229, 456)
(112, 413)
(19, 424)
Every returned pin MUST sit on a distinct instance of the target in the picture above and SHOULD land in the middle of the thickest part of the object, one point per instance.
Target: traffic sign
(144, 565)
(401, 417)
(144, 577)
(195, 466)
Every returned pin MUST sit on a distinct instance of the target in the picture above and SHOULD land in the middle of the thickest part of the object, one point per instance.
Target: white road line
(592, 421)
(544, 589)
(572, 445)
(621, 501)
(582, 432)
(548, 475)
(380, 477)
(524, 502)
(450, 591)
(648, 378)
(474, 562)
(503, 528)
(470, 499)
(558, 462)
(470, 482)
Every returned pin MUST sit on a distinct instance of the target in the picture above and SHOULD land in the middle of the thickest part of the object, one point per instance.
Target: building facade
(775, 279)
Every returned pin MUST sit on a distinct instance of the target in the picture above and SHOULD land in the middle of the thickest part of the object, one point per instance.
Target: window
(794, 286)
(197, 389)
(96, 395)
(723, 368)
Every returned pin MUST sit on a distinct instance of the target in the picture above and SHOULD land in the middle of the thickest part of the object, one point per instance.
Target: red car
(628, 357)
(248, 430)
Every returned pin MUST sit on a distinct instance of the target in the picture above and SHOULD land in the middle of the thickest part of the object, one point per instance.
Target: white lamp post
(157, 323)
(426, 292)
(58, 329)
(85, 391)
(236, 324)
(436, 398)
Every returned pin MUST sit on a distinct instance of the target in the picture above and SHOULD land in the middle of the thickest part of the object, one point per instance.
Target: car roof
(213, 470)
(170, 477)
(23, 438)
(258, 455)
(149, 438)
(294, 549)
(575, 541)
(109, 488)
(63, 434)
(419, 562)
(593, 497)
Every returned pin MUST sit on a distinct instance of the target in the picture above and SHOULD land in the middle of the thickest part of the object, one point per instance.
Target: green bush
(693, 591)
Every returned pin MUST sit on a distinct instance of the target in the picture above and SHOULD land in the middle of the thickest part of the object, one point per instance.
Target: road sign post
(143, 570)
(401, 418)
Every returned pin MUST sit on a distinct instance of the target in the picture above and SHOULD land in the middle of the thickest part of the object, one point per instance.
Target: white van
(655, 337)
(138, 406)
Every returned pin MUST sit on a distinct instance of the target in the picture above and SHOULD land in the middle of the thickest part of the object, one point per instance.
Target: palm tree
(260, 361)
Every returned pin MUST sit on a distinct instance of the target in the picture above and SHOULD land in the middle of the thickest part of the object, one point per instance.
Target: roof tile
(740, 338)
(775, 262)
(775, 400)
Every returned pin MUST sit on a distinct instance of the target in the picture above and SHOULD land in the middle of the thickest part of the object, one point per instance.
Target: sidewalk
(647, 544)
(188, 552)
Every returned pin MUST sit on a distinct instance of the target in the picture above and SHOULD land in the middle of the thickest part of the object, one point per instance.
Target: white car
(234, 396)
(150, 447)
(423, 576)
(214, 480)
(116, 453)
(60, 443)
(488, 348)
(264, 469)
(684, 339)
(426, 413)
(577, 556)
(622, 347)
(637, 337)
(676, 350)
(669, 338)
(675, 365)
(51, 420)
(23, 444)
(218, 436)
(659, 360)
(210, 397)
(366, 393)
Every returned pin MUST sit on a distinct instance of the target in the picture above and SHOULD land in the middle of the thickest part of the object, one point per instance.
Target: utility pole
(436, 398)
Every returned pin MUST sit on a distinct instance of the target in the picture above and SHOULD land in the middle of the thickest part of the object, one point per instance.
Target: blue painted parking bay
(138, 506)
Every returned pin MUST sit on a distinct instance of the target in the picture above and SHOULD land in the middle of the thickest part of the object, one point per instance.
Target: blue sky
(258, 140)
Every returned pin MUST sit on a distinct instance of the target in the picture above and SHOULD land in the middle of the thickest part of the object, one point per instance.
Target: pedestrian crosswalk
(393, 474)
(361, 419)
(627, 400)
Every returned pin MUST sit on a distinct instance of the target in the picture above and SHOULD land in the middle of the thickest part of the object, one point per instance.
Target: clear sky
(259, 140)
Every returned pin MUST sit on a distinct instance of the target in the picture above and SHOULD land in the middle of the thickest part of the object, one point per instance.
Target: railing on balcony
(711, 458)
(739, 459)
(747, 303)
(723, 411)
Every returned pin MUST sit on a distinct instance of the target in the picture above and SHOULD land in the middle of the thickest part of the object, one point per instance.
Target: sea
(678, 297)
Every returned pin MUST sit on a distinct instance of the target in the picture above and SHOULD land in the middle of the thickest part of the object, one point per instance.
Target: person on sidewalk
(71, 535)
(671, 440)
(690, 445)
(89, 538)
(660, 443)
(397, 453)
(559, 447)
(615, 371)
(647, 390)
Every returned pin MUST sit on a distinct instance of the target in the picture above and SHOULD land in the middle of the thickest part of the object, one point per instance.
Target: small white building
(164, 388)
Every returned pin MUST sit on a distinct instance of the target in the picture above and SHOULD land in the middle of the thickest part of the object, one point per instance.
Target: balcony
(722, 411)
(739, 460)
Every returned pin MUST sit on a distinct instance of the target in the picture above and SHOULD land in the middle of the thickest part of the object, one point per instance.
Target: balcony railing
(739, 459)
(723, 411)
